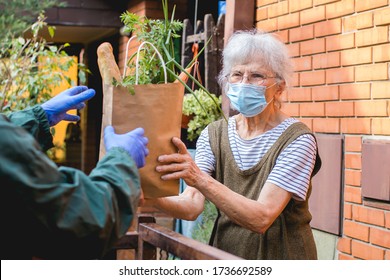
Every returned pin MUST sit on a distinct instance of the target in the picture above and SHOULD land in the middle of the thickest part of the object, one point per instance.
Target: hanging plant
(200, 116)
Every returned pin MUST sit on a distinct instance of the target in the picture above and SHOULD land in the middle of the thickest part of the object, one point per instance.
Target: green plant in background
(16, 15)
(31, 67)
(161, 34)
(201, 115)
(203, 230)
(158, 32)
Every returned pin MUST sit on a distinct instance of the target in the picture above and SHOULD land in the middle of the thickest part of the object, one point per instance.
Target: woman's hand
(181, 165)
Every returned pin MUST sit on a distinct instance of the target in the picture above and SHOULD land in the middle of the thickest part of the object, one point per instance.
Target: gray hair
(256, 46)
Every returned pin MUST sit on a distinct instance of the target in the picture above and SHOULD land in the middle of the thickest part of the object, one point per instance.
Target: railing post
(145, 250)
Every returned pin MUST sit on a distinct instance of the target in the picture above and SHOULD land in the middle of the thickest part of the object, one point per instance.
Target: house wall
(341, 53)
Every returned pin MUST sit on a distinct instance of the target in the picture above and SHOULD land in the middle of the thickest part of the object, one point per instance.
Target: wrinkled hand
(134, 142)
(72, 98)
(180, 165)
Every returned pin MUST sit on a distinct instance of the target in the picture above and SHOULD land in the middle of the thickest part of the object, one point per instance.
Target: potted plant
(199, 110)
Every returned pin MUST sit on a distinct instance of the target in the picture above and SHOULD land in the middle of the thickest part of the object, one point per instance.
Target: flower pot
(185, 120)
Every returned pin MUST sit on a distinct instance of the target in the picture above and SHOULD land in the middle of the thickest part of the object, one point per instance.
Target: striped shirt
(293, 168)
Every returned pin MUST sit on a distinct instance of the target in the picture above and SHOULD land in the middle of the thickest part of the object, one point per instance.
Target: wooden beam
(240, 15)
(179, 245)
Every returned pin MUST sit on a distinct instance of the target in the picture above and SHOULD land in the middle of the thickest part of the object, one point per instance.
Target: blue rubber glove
(134, 142)
(72, 98)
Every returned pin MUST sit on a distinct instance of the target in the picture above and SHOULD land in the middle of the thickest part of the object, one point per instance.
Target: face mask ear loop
(272, 85)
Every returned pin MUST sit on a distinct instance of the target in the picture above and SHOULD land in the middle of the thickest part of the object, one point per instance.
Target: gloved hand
(72, 98)
(133, 142)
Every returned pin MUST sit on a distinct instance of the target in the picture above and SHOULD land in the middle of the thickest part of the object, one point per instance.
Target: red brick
(295, 80)
(381, 126)
(387, 255)
(356, 125)
(353, 177)
(322, 2)
(261, 14)
(322, 93)
(372, 72)
(312, 78)
(291, 109)
(368, 215)
(312, 109)
(300, 5)
(340, 42)
(326, 60)
(326, 28)
(370, 5)
(356, 56)
(357, 22)
(305, 32)
(339, 109)
(308, 122)
(366, 251)
(326, 125)
(282, 35)
(260, 3)
(341, 8)
(380, 237)
(344, 245)
(288, 21)
(348, 211)
(278, 9)
(352, 194)
(353, 143)
(268, 25)
(381, 53)
(353, 161)
(382, 17)
(387, 217)
(302, 63)
(339, 75)
(355, 91)
(356, 230)
(367, 108)
(343, 257)
(372, 36)
(300, 94)
(313, 46)
(312, 15)
(293, 49)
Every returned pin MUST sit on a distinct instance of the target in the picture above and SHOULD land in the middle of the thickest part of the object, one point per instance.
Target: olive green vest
(290, 236)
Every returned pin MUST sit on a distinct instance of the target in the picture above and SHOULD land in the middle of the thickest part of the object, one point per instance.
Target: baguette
(107, 66)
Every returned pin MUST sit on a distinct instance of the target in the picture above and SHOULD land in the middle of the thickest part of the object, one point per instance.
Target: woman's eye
(258, 76)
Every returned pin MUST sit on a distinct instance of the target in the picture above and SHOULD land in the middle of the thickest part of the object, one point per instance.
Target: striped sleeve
(204, 156)
(294, 166)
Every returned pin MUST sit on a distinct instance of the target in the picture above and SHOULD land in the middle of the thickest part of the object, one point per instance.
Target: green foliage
(30, 68)
(17, 15)
(160, 33)
(202, 115)
(203, 230)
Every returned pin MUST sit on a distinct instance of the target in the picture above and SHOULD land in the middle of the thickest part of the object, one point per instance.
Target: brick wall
(341, 52)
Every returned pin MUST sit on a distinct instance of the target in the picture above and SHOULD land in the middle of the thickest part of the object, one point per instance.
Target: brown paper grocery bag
(158, 109)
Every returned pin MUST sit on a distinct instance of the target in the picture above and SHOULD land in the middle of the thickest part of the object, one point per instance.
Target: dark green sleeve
(34, 120)
(67, 214)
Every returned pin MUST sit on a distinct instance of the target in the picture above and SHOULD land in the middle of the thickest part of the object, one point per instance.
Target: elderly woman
(257, 167)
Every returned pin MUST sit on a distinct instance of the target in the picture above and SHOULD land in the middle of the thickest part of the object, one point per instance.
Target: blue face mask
(248, 99)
